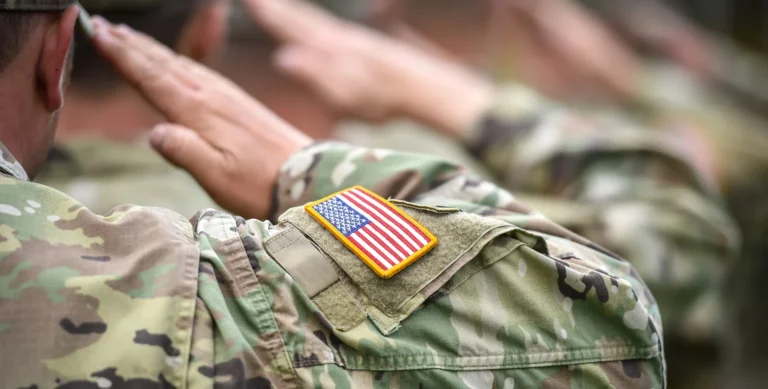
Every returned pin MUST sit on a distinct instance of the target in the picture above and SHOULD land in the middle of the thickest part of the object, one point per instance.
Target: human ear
(52, 66)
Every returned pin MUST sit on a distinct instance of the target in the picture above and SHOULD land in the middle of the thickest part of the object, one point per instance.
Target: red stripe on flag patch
(365, 208)
(378, 232)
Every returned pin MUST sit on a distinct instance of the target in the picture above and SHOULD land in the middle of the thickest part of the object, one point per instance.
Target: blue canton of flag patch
(341, 216)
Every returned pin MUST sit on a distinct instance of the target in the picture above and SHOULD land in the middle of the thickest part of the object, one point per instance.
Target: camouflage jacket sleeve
(144, 298)
(513, 301)
(631, 189)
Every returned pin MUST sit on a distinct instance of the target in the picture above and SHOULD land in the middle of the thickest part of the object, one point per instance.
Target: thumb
(185, 148)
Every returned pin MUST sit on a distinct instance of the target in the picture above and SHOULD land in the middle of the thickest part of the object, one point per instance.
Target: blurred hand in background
(368, 74)
(653, 26)
(561, 49)
(564, 49)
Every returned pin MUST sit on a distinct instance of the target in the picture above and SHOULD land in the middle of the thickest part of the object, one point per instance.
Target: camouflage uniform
(739, 137)
(408, 136)
(205, 301)
(102, 174)
(628, 187)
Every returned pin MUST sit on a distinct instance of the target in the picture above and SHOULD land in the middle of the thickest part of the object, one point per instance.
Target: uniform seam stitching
(637, 349)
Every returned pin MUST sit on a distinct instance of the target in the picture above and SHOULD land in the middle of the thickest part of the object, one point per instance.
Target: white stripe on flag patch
(379, 250)
(386, 230)
(394, 250)
(367, 248)
(377, 216)
(388, 212)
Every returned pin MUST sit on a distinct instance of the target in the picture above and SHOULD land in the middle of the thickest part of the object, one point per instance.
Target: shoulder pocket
(350, 291)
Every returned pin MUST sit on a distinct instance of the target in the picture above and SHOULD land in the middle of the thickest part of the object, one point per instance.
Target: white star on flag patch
(377, 231)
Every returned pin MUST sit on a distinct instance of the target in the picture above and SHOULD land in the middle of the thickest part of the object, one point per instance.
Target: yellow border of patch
(351, 246)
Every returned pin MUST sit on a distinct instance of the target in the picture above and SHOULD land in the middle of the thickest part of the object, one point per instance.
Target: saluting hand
(229, 142)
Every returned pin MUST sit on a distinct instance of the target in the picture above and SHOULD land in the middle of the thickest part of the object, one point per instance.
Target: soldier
(725, 147)
(144, 297)
(629, 188)
(102, 158)
(722, 96)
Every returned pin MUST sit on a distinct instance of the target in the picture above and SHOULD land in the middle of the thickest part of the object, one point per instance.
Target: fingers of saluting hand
(168, 81)
(217, 131)
(171, 83)
(185, 148)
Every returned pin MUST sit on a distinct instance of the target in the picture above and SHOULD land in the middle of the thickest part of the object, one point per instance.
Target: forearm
(328, 167)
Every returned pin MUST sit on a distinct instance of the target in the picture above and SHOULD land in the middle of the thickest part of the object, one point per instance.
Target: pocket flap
(461, 237)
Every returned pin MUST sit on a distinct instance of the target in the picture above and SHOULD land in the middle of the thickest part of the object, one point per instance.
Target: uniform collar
(10, 166)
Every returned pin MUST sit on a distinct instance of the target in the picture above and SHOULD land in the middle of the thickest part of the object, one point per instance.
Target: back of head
(14, 30)
(18, 19)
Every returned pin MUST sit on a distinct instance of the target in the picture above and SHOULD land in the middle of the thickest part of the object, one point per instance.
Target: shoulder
(124, 281)
(488, 296)
(47, 212)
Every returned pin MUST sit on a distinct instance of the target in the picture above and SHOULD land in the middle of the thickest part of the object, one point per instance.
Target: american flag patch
(379, 233)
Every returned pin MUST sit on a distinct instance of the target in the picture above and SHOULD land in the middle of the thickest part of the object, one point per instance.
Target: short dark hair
(15, 28)
(164, 22)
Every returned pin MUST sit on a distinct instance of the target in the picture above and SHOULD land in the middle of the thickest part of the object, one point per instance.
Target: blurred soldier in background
(688, 82)
(249, 60)
(102, 157)
(593, 174)
(725, 99)
(601, 174)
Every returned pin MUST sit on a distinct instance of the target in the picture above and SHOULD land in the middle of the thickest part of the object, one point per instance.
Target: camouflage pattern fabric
(624, 185)
(628, 187)
(408, 136)
(10, 166)
(102, 174)
(740, 138)
(143, 297)
(701, 121)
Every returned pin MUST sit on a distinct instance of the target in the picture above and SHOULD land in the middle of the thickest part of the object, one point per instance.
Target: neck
(17, 135)
(120, 115)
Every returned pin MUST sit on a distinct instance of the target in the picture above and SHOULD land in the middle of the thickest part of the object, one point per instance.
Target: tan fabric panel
(305, 263)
